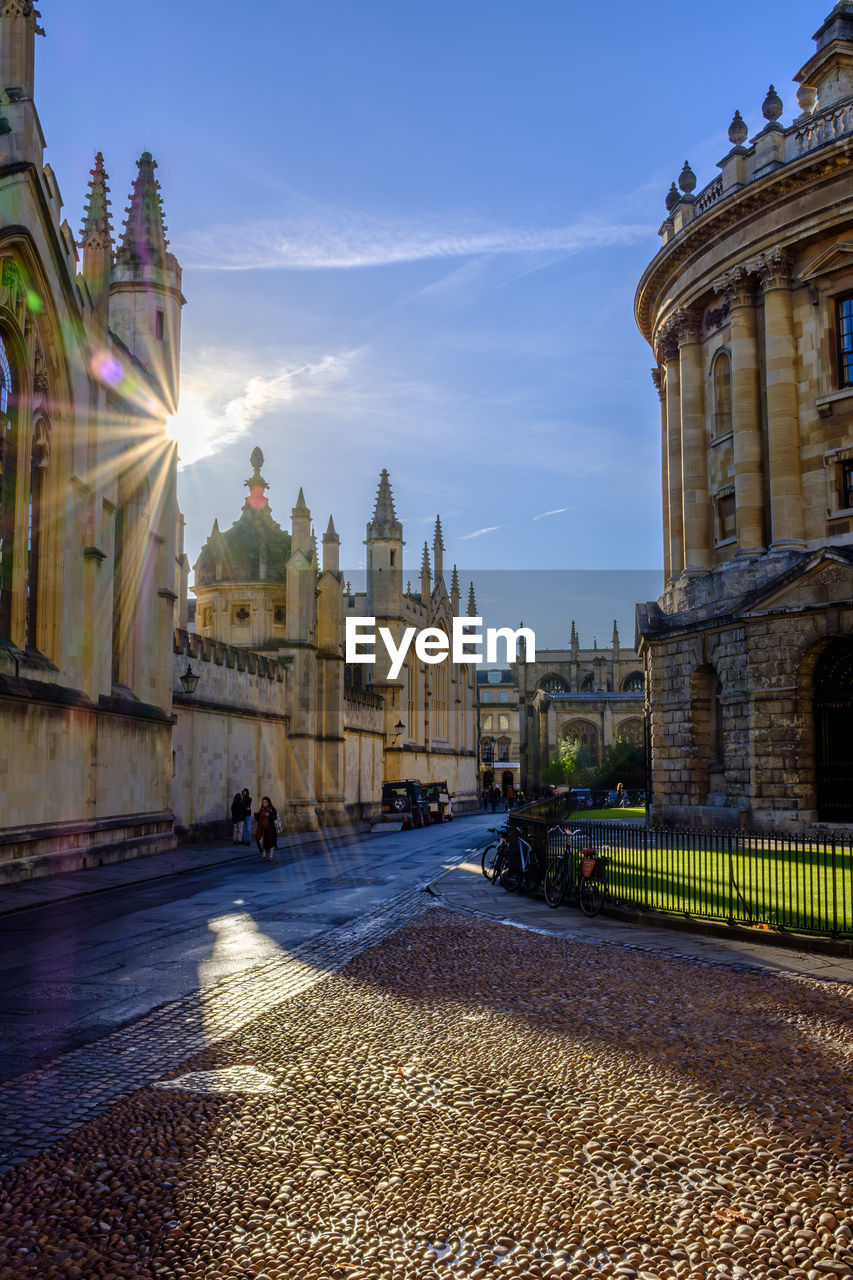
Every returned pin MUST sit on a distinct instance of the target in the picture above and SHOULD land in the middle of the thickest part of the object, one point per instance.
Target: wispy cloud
(215, 411)
(478, 533)
(315, 238)
(557, 511)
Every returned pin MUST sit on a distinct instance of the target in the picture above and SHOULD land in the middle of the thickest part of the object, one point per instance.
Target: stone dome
(254, 549)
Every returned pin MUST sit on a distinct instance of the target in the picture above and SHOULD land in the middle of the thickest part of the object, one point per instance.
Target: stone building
(102, 753)
(594, 695)
(89, 354)
(500, 737)
(321, 735)
(748, 307)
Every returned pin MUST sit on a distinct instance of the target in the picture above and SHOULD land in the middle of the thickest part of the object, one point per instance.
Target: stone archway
(833, 732)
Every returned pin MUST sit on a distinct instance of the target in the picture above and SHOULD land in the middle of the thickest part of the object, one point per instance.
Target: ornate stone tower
(145, 293)
(753, 344)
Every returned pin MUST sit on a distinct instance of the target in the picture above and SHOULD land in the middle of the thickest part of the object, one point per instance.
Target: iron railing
(797, 883)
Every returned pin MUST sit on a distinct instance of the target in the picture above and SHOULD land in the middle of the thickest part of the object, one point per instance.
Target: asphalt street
(72, 972)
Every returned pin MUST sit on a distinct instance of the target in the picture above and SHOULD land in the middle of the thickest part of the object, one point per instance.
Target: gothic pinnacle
(385, 523)
(472, 601)
(144, 238)
(97, 232)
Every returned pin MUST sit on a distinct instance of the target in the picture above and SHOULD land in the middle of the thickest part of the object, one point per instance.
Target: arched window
(553, 684)
(634, 683)
(631, 732)
(585, 733)
(722, 379)
(38, 466)
(587, 684)
(8, 486)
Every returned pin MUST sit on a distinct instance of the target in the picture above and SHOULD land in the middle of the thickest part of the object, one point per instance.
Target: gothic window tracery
(39, 455)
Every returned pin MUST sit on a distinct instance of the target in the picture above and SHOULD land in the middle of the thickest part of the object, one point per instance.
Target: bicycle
(494, 855)
(592, 885)
(560, 870)
(520, 867)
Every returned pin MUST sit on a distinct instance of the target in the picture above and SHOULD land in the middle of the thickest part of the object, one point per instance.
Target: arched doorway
(833, 719)
(506, 780)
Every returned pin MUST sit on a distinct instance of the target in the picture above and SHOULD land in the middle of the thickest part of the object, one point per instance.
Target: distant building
(594, 695)
(748, 308)
(500, 753)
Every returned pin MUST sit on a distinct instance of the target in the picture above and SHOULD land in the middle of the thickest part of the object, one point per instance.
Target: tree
(572, 764)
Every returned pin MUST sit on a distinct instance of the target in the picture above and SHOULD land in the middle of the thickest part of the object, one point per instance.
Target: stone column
(783, 416)
(658, 380)
(675, 520)
(695, 500)
(737, 285)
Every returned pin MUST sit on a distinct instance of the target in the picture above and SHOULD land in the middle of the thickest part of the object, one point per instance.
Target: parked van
(405, 802)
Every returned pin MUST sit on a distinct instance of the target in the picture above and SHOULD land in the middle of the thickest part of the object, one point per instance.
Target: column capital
(773, 269)
(666, 343)
(688, 326)
(657, 379)
(737, 286)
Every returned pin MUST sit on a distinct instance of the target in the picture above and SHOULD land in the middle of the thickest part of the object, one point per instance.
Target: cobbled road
(415, 1091)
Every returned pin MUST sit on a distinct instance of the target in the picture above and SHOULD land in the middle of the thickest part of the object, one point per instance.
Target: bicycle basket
(588, 864)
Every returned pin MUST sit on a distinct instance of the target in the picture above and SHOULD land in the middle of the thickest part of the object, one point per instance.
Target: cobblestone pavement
(41, 1106)
(462, 1098)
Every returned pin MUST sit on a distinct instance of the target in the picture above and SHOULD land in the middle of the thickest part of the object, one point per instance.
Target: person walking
(247, 816)
(265, 831)
(237, 815)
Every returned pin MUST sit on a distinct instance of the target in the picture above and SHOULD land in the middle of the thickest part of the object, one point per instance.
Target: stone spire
(615, 634)
(574, 641)
(454, 592)
(384, 524)
(425, 575)
(301, 525)
(96, 240)
(97, 232)
(472, 601)
(331, 548)
(144, 238)
(438, 550)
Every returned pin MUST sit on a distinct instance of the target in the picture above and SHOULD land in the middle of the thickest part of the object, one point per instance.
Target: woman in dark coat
(237, 814)
(265, 833)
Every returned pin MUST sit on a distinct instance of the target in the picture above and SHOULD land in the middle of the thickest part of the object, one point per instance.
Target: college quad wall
(229, 734)
(364, 744)
(83, 785)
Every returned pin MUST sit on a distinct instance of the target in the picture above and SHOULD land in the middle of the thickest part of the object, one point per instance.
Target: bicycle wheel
(512, 872)
(556, 881)
(490, 861)
(591, 892)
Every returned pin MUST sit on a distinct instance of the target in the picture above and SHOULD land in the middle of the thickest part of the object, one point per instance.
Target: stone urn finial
(257, 458)
(807, 98)
(672, 198)
(772, 106)
(687, 179)
(738, 132)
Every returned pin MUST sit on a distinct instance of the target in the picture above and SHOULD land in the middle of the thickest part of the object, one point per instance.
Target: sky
(411, 234)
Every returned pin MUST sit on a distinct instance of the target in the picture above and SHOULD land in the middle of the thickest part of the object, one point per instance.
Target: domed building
(748, 307)
(240, 574)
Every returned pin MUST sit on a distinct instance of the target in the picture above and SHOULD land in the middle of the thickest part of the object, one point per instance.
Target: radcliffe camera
(426, 739)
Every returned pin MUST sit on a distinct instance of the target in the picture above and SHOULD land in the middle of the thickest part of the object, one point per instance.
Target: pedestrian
(621, 798)
(510, 798)
(237, 815)
(247, 816)
(266, 829)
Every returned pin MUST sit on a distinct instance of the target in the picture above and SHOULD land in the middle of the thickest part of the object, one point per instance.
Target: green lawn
(621, 815)
(797, 889)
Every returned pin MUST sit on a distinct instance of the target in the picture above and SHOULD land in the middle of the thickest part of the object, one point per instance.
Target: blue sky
(411, 234)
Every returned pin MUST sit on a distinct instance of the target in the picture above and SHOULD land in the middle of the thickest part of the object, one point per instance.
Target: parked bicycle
(592, 885)
(495, 854)
(560, 874)
(520, 867)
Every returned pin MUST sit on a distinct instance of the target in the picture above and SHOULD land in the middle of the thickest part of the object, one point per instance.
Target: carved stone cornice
(657, 379)
(688, 326)
(21, 9)
(773, 269)
(737, 286)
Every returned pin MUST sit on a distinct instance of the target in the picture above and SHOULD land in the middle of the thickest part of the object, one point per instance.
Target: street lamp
(189, 680)
(398, 729)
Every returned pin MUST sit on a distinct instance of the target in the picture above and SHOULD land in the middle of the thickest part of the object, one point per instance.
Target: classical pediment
(825, 580)
(838, 257)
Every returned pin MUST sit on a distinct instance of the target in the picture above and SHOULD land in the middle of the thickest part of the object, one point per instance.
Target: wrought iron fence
(795, 883)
